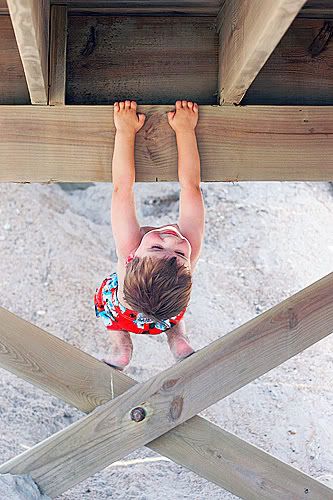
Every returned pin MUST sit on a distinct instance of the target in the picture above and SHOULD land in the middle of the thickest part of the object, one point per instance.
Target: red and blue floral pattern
(117, 317)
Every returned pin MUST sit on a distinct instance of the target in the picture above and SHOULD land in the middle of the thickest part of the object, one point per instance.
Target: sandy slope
(264, 241)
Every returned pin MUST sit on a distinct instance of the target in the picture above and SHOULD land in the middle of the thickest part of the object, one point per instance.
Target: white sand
(264, 242)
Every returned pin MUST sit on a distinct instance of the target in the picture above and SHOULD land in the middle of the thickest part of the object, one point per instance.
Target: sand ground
(263, 242)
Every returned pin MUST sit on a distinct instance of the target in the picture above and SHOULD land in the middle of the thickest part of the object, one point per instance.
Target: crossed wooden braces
(168, 402)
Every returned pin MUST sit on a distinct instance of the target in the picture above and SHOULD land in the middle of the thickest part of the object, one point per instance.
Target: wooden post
(30, 20)
(57, 62)
(249, 31)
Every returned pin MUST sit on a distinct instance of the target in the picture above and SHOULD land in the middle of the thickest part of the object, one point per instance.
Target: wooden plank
(58, 47)
(13, 86)
(56, 366)
(79, 379)
(317, 9)
(149, 59)
(3, 7)
(249, 32)
(300, 69)
(30, 20)
(75, 144)
(178, 393)
(136, 7)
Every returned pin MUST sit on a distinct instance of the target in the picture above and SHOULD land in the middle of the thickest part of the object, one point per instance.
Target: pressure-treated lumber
(57, 60)
(13, 85)
(153, 60)
(178, 393)
(156, 7)
(30, 20)
(299, 70)
(75, 143)
(79, 379)
(249, 32)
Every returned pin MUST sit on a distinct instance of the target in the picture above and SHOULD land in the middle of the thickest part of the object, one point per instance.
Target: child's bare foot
(178, 342)
(121, 349)
(126, 119)
(185, 117)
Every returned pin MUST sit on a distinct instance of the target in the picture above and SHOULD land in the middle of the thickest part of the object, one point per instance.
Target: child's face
(162, 243)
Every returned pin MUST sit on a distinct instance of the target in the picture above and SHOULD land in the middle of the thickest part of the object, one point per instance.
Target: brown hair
(160, 288)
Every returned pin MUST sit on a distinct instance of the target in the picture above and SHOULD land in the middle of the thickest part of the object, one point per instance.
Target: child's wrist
(185, 132)
(126, 133)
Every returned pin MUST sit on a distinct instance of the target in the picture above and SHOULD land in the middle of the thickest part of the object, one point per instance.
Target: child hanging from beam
(151, 289)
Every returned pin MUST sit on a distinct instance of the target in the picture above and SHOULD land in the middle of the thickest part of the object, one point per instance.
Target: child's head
(158, 279)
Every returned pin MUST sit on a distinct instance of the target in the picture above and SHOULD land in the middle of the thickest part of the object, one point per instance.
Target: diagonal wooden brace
(178, 393)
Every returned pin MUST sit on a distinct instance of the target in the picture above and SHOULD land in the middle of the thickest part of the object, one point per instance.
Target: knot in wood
(138, 414)
(176, 407)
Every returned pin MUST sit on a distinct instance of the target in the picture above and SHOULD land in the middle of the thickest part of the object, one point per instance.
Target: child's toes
(133, 104)
(178, 104)
(121, 105)
(195, 107)
(127, 104)
(184, 104)
(190, 104)
(116, 105)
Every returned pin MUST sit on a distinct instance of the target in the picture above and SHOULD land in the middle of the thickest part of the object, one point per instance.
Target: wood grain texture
(177, 394)
(13, 86)
(319, 9)
(79, 379)
(249, 31)
(75, 144)
(157, 7)
(3, 7)
(300, 69)
(153, 60)
(30, 20)
(57, 60)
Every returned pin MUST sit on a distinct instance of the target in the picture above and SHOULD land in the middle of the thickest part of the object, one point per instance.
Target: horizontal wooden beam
(180, 392)
(156, 7)
(75, 144)
(81, 380)
(30, 19)
(249, 31)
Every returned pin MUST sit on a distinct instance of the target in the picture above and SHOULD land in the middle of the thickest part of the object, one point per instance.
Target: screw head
(138, 414)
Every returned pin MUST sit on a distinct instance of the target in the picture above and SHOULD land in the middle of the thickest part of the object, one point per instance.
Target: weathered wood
(3, 7)
(57, 61)
(249, 32)
(157, 7)
(150, 59)
(75, 144)
(30, 20)
(13, 86)
(79, 379)
(300, 69)
(56, 366)
(319, 9)
(178, 393)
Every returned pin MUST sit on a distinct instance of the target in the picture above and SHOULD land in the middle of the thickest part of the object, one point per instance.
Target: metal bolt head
(138, 414)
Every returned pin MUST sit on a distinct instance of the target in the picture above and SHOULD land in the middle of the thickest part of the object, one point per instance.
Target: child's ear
(130, 257)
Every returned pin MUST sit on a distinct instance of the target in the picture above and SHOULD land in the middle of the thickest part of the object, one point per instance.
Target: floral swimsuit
(117, 317)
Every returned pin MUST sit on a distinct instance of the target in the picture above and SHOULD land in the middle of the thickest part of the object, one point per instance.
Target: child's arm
(191, 220)
(191, 204)
(125, 226)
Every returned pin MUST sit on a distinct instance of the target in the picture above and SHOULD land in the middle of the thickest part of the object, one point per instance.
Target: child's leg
(178, 341)
(121, 349)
